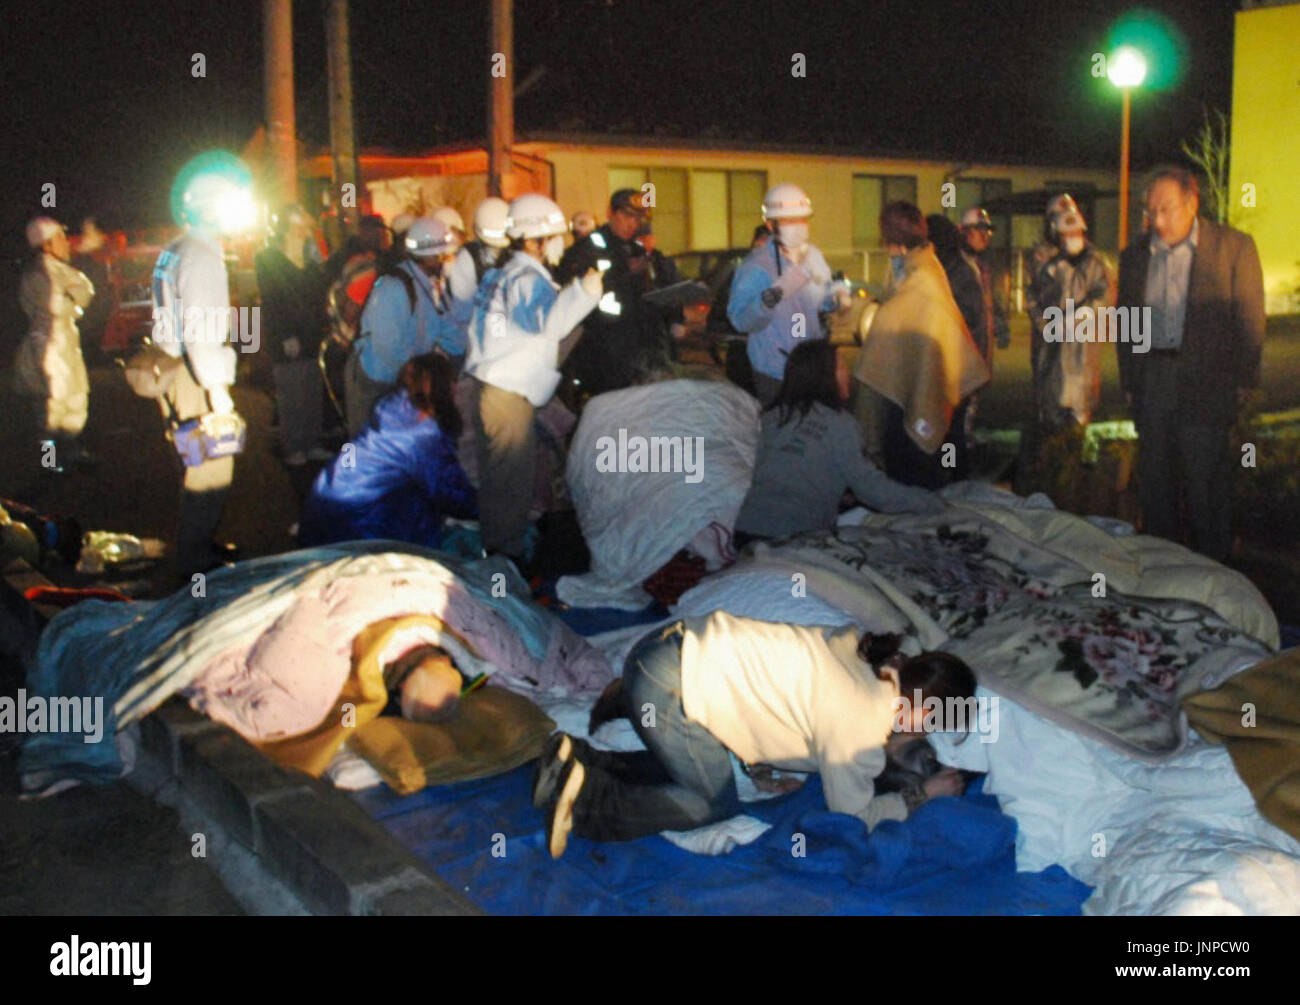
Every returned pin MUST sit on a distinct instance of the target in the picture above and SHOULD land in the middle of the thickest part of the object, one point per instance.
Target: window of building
(870, 195)
(702, 210)
(671, 205)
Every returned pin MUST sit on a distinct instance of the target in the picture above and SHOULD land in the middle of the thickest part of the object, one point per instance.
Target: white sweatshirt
(795, 698)
(518, 322)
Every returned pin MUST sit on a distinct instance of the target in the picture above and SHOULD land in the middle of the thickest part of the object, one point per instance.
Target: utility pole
(281, 130)
(500, 103)
(343, 151)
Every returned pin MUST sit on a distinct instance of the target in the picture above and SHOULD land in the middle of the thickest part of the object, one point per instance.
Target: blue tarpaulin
(954, 856)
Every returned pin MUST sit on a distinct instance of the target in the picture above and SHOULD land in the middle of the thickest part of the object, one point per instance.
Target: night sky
(101, 100)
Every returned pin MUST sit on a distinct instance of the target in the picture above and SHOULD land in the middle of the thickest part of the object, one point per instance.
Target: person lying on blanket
(700, 690)
(401, 476)
(810, 452)
(424, 685)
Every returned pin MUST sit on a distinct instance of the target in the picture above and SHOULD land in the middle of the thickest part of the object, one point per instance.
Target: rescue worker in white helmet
(191, 312)
(451, 218)
(1079, 284)
(520, 316)
(404, 317)
(781, 290)
(476, 257)
(49, 369)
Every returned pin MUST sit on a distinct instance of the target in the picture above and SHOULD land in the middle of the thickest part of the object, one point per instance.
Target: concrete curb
(309, 835)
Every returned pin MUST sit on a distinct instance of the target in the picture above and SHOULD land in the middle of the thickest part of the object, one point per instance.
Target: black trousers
(907, 463)
(1182, 461)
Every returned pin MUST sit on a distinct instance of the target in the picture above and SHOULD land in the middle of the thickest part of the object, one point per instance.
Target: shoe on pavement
(559, 822)
(556, 753)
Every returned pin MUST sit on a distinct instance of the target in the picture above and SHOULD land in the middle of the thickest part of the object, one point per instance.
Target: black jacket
(616, 346)
(1223, 335)
(293, 303)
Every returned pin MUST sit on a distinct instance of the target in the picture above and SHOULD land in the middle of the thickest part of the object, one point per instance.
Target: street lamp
(1127, 68)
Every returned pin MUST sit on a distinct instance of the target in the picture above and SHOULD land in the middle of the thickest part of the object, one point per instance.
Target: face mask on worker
(1072, 244)
(553, 250)
(793, 235)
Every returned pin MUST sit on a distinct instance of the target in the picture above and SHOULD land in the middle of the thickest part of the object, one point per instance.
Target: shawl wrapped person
(920, 357)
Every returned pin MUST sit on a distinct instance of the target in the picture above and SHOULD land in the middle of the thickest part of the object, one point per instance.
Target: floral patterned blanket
(1038, 627)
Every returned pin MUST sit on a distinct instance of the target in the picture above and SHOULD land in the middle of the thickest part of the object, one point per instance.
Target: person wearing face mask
(473, 260)
(520, 317)
(1077, 281)
(781, 290)
(405, 316)
(1042, 253)
(1187, 379)
(623, 338)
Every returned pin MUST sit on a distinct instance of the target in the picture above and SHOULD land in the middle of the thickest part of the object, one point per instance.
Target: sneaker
(559, 823)
(557, 752)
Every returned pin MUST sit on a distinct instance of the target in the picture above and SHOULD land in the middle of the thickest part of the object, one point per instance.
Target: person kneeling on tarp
(401, 476)
(795, 698)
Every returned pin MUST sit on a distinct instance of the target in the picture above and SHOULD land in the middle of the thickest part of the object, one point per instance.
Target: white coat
(53, 295)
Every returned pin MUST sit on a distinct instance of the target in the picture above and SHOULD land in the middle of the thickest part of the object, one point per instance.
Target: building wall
(586, 174)
(1265, 131)
(582, 179)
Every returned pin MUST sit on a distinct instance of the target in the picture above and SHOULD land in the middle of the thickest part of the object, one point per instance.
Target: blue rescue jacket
(397, 480)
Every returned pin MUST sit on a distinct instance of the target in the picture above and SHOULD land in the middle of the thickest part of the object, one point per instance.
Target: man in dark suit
(1204, 286)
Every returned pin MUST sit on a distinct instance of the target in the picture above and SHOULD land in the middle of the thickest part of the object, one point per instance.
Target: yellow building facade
(1265, 134)
(708, 196)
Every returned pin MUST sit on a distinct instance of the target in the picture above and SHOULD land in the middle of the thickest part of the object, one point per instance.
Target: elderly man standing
(1205, 289)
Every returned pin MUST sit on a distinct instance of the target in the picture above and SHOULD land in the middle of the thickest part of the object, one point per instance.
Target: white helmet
(534, 215)
(1063, 203)
(429, 236)
(41, 229)
(450, 217)
(490, 221)
(786, 201)
(1069, 222)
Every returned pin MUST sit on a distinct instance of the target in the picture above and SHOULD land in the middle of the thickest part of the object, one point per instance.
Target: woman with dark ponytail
(401, 477)
(810, 453)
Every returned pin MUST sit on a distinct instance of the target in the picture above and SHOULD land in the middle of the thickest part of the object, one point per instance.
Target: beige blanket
(1257, 715)
(919, 353)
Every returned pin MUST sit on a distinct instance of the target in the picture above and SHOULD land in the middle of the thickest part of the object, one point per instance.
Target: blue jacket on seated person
(398, 480)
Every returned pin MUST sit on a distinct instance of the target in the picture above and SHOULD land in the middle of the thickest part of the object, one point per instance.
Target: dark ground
(110, 849)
